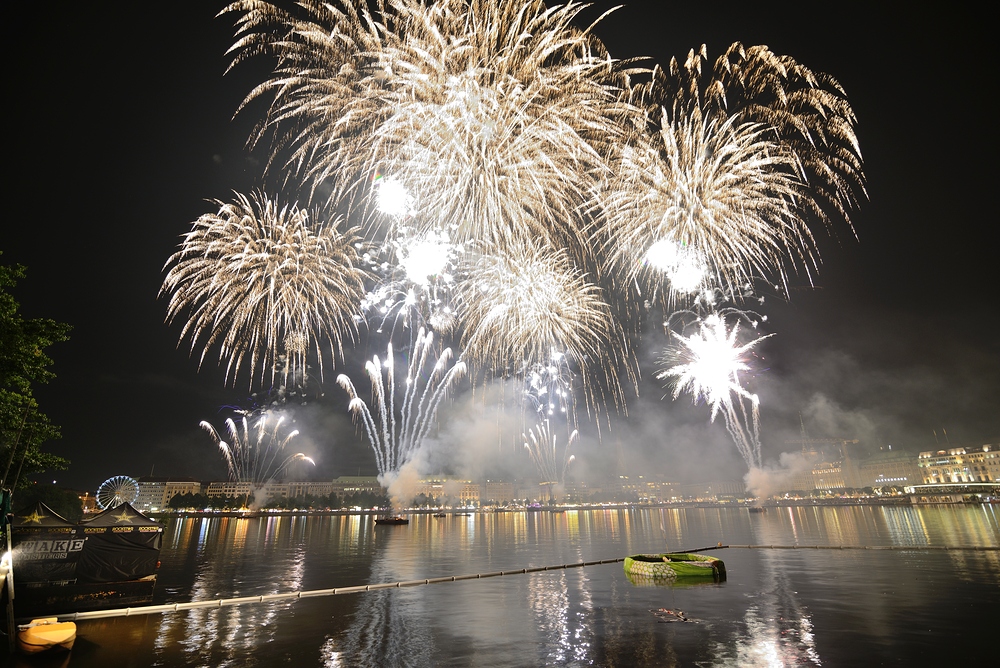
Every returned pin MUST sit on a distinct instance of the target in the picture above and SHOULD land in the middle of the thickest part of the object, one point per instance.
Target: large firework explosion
(808, 112)
(265, 283)
(495, 116)
(256, 453)
(403, 416)
(712, 202)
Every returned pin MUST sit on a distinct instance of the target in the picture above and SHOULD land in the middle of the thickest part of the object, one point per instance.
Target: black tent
(122, 544)
(46, 547)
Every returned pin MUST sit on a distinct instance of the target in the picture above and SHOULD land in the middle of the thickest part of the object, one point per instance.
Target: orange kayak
(45, 634)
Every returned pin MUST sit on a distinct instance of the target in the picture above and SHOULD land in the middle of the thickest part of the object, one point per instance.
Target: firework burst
(707, 364)
(519, 305)
(257, 453)
(549, 387)
(497, 115)
(266, 284)
(712, 202)
(396, 430)
(808, 112)
(415, 284)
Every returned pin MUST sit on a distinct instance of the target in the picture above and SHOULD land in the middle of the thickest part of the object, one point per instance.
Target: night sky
(121, 128)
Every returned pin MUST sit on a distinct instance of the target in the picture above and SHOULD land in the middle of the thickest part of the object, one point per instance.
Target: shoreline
(769, 505)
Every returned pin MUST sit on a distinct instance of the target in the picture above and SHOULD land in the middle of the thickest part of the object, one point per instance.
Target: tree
(23, 366)
(65, 502)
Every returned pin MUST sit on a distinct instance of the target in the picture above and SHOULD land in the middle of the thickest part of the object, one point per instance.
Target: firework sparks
(499, 114)
(393, 198)
(684, 268)
(396, 431)
(708, 364)
(808, 112)
(520, 305)
(501, 126)
(548, 455)
(266, 284)
(712, 198)
(416, 288)
(256, 454)
(549, 387)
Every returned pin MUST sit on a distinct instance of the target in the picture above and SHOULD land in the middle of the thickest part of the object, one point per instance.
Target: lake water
(778, 607)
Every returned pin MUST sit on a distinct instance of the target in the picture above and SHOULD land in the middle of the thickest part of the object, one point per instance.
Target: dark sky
(121, 127)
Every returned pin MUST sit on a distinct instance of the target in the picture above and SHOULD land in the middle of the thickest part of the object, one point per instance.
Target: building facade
(889, 468)
(972, 464)
(155, 492)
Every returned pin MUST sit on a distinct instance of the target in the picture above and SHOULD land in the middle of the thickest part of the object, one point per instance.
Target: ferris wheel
(116, 491)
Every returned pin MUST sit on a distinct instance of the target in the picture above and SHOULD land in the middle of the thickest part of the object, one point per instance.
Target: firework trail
(498, 114)
(255, 454)
(548, 455)
(707, 364)
(266, 284)
(396, 431)
(520, 304)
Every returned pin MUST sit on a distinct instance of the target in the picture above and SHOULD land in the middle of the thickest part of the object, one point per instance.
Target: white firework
(708, 364)
(396, 430)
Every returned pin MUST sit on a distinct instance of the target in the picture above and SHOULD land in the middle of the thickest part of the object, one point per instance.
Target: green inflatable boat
(679, 567)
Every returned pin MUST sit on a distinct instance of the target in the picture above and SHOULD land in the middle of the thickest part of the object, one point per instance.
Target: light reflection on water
(779, 607)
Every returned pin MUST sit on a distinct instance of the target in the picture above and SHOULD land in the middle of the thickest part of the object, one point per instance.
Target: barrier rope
(899, 548)
(336, 591)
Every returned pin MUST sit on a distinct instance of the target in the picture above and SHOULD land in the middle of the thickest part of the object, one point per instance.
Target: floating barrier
(336, 591)
(898, 548)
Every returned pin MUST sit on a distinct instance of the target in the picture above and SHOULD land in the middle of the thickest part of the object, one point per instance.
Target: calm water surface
(778, 607)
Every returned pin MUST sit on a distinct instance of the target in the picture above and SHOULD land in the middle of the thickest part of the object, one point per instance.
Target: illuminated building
(465, 492)
(980, 463)
(346, 485)
(155, 492)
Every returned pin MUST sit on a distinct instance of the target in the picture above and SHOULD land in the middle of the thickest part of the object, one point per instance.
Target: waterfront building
(829, 475)
(229, 488)
(300, 489)
(447, 490)
(155, 492)
(296, 489)
(887, 468)
(497, 492)
(645, 488)
(714, 490)
(346, 485)
(979, 463)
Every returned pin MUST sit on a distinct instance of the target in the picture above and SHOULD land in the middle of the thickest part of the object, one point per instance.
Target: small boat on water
(45, 634)
(676, 567)
(758, 509)
(395, 519)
